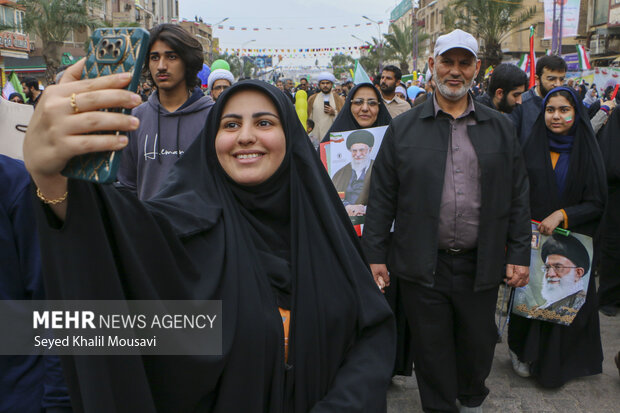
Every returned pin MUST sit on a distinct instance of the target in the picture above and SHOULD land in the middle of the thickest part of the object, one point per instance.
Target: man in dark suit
(451, 177)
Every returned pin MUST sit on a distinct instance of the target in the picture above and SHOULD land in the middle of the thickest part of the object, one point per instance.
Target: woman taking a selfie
(248, 216)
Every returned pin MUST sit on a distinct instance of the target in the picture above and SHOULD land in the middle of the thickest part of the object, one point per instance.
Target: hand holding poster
(349, 157)
(560, 268)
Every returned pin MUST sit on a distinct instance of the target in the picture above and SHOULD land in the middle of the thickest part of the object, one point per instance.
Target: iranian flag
(584, 61)
(524, 62)
(532, 59)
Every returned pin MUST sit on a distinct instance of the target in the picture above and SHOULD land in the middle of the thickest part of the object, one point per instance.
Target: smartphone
(326, 103)
(110, 50)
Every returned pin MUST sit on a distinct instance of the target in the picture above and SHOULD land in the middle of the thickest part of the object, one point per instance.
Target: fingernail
(123, 140)
(134, 121)
(136, 99)
(125, 76)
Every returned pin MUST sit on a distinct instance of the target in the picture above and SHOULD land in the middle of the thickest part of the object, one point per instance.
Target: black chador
(286, 243)
(560, 353)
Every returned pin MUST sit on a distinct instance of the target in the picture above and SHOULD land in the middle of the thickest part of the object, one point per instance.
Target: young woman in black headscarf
(248, 217)
(609, 270)
(363, 108)
(567, 189)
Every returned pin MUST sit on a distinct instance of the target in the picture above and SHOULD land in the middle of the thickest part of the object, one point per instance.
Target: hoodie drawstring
(158, 154)
(178, 129)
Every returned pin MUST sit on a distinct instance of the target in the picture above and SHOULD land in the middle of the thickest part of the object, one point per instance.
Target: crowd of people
(221, 195)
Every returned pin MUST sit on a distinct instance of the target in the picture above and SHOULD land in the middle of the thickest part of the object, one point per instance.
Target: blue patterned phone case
(111, 50)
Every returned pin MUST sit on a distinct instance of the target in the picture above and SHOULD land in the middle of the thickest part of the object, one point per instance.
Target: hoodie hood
(197, 102)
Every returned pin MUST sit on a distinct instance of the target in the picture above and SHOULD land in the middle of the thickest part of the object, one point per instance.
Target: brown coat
(337, 98)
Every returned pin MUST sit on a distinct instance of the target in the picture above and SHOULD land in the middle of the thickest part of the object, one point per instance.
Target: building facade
(15, 44)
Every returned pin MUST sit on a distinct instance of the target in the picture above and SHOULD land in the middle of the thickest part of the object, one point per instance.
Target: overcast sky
(294, 17)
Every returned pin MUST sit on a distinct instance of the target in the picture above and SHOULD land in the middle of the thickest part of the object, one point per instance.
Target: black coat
(525, 114)
(414, 152)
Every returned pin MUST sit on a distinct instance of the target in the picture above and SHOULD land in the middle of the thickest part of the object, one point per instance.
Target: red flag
(532, 59)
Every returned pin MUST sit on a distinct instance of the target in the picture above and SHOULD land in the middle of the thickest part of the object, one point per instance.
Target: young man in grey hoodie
(172, 117)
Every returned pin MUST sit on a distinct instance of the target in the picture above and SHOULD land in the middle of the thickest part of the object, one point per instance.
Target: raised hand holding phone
(57, 133)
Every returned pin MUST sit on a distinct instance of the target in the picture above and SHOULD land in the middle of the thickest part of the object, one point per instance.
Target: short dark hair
(303, 78)
(394, 69)
(310, 123)
(31, 82)
(551, 62)
(507, 77)
(184, 44)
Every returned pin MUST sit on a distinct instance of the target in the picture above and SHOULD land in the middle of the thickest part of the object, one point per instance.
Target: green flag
(360, 75)
(13, 85)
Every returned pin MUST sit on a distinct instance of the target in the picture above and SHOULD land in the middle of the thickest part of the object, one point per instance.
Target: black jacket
(413, 153)
(524, 115)
(486, 100)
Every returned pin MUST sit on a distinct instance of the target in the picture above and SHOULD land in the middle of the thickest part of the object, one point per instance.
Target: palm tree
(52, 21)
(371, 61)
(490, 21)
(399, 45)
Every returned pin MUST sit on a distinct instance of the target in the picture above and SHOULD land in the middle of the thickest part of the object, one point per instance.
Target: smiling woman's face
(250, 142)
(365, 107)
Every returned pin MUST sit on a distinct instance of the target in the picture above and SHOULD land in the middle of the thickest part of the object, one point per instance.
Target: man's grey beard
(358, 165)
(445, 90)
(555, 292)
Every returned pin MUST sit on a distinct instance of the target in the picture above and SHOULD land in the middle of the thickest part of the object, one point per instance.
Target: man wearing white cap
(325, 105)
(219, 80)
(451, 177)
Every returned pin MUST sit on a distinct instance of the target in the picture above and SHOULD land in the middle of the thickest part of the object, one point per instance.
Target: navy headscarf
(578, 180)
(562, 144)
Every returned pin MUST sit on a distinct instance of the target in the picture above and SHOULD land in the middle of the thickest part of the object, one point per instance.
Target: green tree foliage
(373, 56)
(236, 64)
(52, 21)
(490, 21)
(399, 45)
(342, 63)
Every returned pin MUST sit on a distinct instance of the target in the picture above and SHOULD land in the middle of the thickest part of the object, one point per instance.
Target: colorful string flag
(360, 75)
(584, 61)
(532, 59)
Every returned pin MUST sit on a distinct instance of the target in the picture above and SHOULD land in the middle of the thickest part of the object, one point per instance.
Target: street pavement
(511, 393)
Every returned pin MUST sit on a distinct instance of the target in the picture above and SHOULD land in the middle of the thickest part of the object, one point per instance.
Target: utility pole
(414, 29)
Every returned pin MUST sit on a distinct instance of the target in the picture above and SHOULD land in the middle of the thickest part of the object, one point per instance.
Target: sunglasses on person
(370, 102)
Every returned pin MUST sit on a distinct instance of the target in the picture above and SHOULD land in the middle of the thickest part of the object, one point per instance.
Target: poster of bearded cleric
(349, 157)
(560, 270)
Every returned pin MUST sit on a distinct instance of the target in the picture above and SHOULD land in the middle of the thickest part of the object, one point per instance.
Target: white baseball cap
(456, 39)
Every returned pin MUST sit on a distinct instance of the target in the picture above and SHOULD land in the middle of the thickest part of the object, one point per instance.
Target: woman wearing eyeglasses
(364, 108)
(568, 190)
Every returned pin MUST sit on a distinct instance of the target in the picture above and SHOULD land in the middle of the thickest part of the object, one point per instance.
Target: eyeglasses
(370, 102)
(221, 87)
(557, 268)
